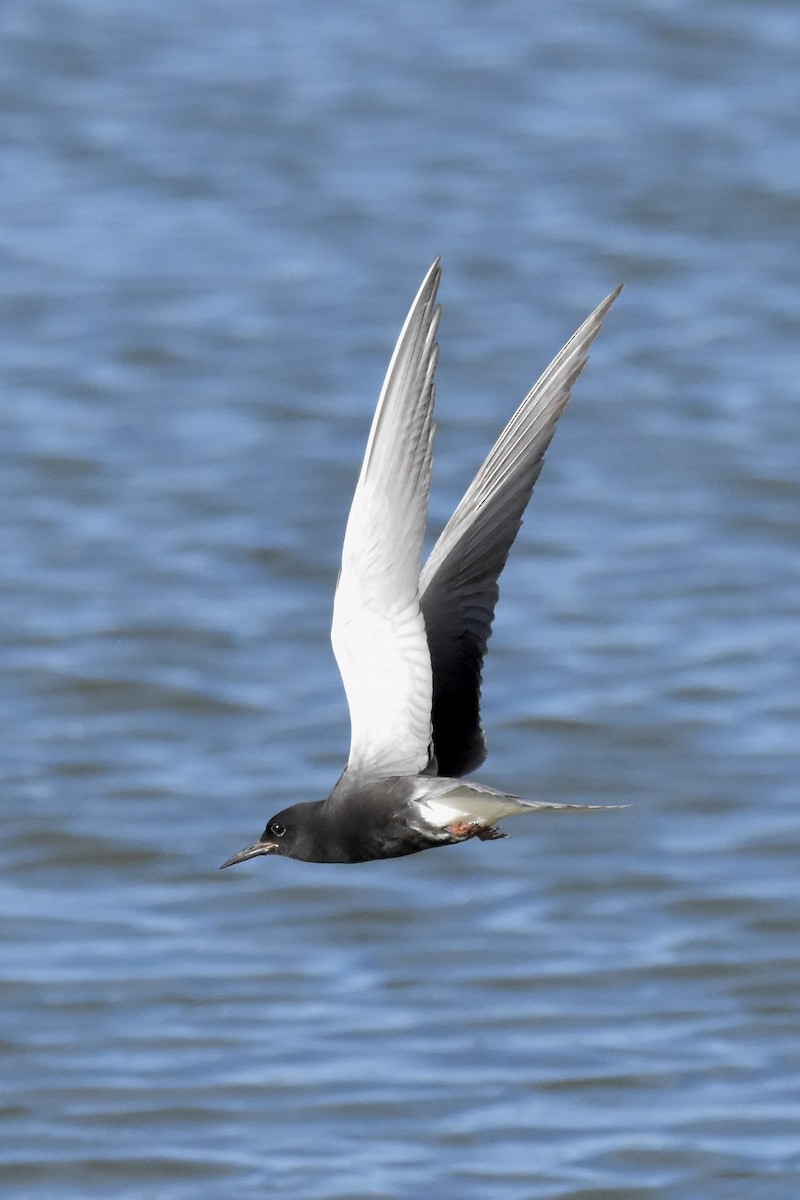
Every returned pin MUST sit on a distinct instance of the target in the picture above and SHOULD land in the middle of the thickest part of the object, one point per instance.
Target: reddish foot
(467, 829)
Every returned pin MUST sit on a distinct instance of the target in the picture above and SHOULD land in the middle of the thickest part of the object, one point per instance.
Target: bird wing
(378, 630)
(458, 586)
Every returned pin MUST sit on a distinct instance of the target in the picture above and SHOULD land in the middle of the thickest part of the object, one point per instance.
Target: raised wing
(378, 631)
(458, 587)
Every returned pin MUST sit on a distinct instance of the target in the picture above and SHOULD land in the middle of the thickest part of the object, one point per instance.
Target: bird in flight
(410, 643)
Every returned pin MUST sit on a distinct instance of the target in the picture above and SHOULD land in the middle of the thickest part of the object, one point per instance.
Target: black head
(290, 833)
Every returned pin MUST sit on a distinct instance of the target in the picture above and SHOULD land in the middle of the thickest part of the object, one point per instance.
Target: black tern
(410, 643)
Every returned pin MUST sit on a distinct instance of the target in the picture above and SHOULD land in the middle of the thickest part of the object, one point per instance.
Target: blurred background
(213, 218)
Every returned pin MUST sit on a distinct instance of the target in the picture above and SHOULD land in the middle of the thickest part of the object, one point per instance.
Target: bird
(410, 640)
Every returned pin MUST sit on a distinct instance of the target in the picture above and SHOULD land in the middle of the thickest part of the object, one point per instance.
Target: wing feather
(378, 631)
(458, 587)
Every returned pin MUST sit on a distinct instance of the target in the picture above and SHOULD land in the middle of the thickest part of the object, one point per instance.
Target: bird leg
(461, 830)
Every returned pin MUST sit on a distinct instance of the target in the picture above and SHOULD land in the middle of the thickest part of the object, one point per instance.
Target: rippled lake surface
(212, 220)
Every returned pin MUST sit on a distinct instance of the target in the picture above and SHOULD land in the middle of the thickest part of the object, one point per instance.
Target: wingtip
(605, 305)
(430, 283)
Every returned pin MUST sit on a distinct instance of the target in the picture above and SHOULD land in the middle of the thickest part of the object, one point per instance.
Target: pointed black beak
(253, 851)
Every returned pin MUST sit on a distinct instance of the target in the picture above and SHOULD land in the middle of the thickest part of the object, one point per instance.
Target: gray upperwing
(458, 585)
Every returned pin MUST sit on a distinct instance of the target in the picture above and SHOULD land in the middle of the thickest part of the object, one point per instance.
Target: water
(213, 219)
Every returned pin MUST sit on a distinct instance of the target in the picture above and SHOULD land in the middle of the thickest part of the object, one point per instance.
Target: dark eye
(276, 829)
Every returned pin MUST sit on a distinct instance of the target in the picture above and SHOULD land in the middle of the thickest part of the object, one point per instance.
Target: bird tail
(489, 805)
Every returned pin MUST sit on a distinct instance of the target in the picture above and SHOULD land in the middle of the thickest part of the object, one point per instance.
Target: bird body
(410, 643)
(373, 817)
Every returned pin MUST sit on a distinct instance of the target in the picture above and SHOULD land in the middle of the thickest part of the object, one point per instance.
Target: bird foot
(461, 830)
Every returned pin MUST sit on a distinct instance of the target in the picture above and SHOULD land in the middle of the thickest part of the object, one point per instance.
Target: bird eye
(276, 829)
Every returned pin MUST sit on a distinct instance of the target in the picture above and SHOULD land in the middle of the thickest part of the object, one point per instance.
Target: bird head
(286, 833)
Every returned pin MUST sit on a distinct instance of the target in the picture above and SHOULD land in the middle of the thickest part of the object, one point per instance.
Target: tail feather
(486, 805)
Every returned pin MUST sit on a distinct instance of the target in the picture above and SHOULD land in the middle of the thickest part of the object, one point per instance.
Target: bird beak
(250, 852)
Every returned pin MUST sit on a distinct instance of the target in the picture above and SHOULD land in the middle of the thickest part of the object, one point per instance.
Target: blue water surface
(212, 220)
